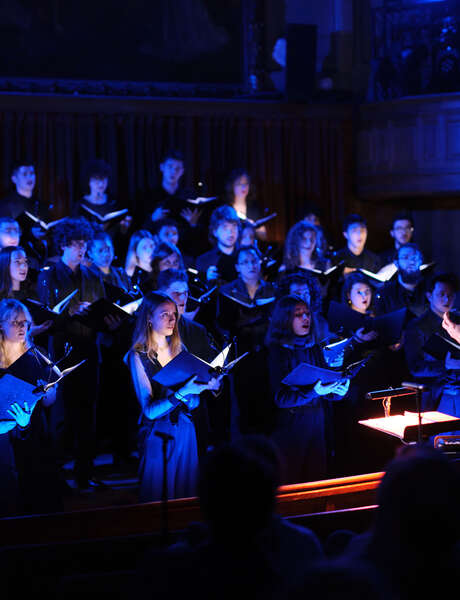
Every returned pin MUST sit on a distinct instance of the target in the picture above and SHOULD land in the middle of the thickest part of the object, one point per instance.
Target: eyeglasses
(402, 228)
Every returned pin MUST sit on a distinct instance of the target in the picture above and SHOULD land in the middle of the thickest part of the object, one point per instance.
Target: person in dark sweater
(407, 289)
(24, 199)
(219, 263)
(355, 255)
(96, 175)
(442, 377)
(55, 282)
(243, 313)
(300, 431)
(169, 199)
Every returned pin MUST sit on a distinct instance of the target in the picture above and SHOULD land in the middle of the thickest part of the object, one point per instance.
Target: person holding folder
(165, 412)
(34, 459)
(300, 429)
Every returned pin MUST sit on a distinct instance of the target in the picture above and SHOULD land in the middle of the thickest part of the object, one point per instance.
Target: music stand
(409, 427)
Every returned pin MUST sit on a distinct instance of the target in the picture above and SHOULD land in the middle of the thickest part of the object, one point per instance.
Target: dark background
(137, 40)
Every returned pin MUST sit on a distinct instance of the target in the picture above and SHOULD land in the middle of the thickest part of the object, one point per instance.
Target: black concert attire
(119, 235)
(182, 465)
(14, 205)
(443, 384)
(79, 392)
(300, 430)
(117, 405)
(225, 263)
(366, 260)
(393, 296)
(34, 453)
(206, 416)
(249, 326)
(193, 240)
(356, 450)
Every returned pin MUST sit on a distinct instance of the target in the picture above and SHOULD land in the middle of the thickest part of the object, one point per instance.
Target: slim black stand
(418, 388)
(166, 438)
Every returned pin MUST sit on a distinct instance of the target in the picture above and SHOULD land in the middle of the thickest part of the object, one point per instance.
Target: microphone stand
(165, 438)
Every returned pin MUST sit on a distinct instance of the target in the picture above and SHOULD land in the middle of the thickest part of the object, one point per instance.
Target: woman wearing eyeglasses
(35, 466)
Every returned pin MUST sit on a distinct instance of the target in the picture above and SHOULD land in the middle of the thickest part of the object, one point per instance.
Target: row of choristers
(179, 326)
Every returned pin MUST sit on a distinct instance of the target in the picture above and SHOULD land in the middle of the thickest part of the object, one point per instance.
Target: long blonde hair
(143, 339)
(11, 308)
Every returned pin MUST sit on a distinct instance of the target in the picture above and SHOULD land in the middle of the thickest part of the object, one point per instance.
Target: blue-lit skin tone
(248, 268)
(97, 189)
(302, 290)
(19, 267)
(300, 324)
(24, 180)
(170, 262)
(248, 236)
(171, 170)
(226, 234)
(178, 291)
(356, 236)
(306, 248)
(402, 232)
(102, 254)
(144, 253)
(442, 298)
(10, 234)
(72, 256)
(170, 234)
(409, 262)
(360, 297)
(15, 331)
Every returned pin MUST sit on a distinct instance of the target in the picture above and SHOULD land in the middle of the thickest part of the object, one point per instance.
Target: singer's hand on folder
(191, 387)
(337, 387)
(21, 416)
(214, 383)
(80, 309)
(452, 363)
(367, 336)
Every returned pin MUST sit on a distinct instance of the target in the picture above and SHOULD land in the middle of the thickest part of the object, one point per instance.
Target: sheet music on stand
(405, 426)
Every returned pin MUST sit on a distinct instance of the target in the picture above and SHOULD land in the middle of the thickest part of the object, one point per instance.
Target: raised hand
(159, 213)
(191, 215)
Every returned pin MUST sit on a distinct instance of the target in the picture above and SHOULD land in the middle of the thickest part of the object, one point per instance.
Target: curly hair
(293, 241)
(69, 230)
(280, 328)
(285, 283)
(222, 214)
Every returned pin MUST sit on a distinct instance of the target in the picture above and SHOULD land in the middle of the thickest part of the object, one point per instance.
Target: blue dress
(182, 465)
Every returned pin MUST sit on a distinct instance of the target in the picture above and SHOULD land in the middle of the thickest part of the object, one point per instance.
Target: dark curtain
(294, 155)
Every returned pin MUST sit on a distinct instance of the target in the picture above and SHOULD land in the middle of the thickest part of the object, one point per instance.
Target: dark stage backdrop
(294, 153)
